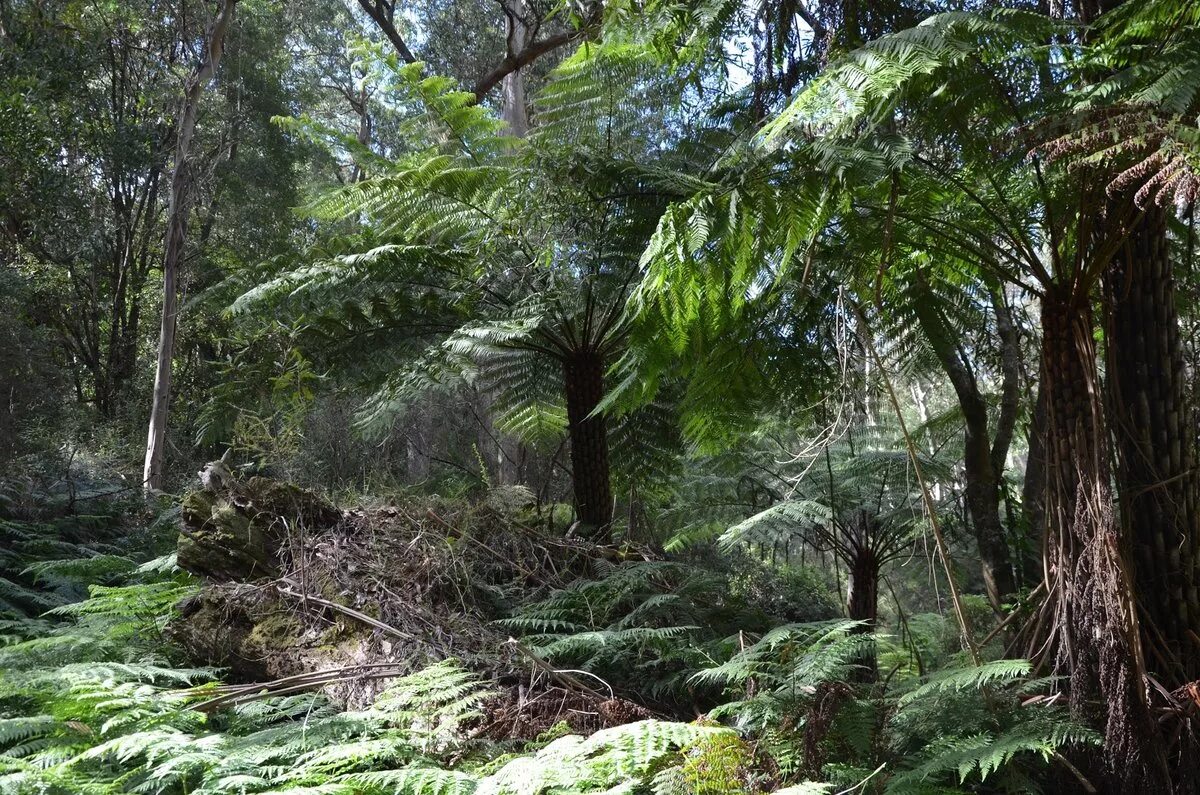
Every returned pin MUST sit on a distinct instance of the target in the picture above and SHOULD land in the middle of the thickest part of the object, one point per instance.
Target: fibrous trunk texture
(1154, 432)
(862, 602)
(1096, 643)
(583, 378)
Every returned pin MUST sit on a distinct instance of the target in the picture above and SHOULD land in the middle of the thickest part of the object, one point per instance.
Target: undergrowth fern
(642, 626)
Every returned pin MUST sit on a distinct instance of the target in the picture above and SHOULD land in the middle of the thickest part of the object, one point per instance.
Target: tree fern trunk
(583, 380)
(1156, 460)
(862, 601)
(1094, 626)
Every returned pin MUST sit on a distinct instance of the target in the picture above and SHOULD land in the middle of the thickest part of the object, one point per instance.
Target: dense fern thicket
(97, 696)
(58, 540)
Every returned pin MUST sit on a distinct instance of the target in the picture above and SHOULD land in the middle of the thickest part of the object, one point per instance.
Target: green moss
(228, 520)
(220, 541)
(197, 507)
(276, 630)
(717, 765)
(341, 632)
(327, 587)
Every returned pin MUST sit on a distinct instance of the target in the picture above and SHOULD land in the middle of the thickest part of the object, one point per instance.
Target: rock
(215, 627)
(235, 535)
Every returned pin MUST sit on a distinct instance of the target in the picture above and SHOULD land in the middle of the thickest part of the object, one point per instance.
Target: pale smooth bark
(513, 108)
(152, 471)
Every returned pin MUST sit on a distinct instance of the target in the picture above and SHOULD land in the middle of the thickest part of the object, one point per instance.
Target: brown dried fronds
(1151, 154)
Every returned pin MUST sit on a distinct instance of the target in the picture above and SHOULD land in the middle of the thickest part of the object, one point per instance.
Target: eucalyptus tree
(526, 31)
(213, 48)
(91, 97)
(83, 197)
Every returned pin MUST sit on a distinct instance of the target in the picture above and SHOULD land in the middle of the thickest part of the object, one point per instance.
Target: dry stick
(350, 611)
(320, 674)
(565, 677)
(1014, 614)
(300, 687)
(940, 541)
(863, 783)
(430, 513)
(1083, 782)
(232, 694)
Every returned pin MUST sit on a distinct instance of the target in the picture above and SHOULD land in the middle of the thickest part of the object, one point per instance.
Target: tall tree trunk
(1155, 438)
(177, 212)
(1033, 489)
(513, 107)
(508, 452)
(583, 382)
(1097, 645)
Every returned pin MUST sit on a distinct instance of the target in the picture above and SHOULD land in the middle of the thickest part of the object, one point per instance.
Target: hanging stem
(960, 613)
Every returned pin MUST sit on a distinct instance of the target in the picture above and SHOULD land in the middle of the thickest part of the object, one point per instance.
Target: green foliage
(643, 626)
(970, 725)
(116, 728)
(727, 254)
(777, 674)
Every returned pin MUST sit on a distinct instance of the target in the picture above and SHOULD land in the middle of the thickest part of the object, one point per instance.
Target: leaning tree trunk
(177, 213)
(583, 382)
(1095, 638)
(982, 461)
(1156, 459)
(1033, 489)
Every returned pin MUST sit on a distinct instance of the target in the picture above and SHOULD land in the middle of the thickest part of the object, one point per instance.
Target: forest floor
(298, 595)
(419, 645)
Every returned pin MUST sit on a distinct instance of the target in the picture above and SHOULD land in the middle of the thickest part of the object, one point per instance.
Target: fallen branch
(349, 611)
(566, 677)
(232, 695)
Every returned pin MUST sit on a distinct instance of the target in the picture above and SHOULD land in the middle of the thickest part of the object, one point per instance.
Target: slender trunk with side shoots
(1096, 640)
(1156, 458)
(504, 453)
(583, 382)
(152, 472)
